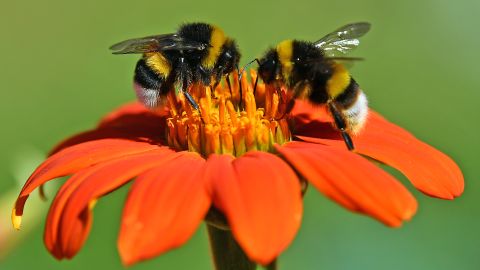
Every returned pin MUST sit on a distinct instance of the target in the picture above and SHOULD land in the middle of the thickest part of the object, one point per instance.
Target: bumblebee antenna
(240, 74)
(248, 64)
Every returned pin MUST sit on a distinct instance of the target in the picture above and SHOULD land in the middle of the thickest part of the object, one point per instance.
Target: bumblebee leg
(340, 123)
(212, 90)
(240, 90)
(288, 105)
(227, 79)
(191, 100)
(187, 95)
(255, 85)
(288, 109)
(218, 78)
(280, 99)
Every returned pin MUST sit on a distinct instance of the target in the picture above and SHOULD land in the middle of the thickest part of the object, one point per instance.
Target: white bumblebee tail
(357, 114)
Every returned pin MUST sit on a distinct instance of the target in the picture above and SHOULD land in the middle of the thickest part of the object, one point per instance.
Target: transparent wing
(156, 43)
(343, 40)
(347, 61)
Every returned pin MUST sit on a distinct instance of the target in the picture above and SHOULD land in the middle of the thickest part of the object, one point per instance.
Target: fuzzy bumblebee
(196, 53)
(314, 71)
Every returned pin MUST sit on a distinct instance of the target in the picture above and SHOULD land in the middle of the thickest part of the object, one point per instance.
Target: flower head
(240, 155)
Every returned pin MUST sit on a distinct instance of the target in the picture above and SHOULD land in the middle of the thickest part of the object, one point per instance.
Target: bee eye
(325, 70)
(267, 70)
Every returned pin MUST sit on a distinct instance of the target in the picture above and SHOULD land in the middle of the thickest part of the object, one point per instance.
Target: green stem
(227, 254)
(272, 266)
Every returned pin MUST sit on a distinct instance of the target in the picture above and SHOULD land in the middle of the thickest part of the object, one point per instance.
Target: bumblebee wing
(347, 61)
(344, 39)
(155, 44)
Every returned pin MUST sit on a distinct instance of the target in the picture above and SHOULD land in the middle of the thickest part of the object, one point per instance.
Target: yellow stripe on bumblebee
(158, 63)
(285, 52)
(339, 80)
(217, 39)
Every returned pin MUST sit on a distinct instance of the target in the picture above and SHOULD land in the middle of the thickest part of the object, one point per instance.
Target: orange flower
(239, 159)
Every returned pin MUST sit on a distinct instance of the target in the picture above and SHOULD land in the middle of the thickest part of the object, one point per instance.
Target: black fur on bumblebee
(197, 53)
(315, 71)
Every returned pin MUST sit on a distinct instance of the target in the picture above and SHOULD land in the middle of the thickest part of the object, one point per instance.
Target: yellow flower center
(228, 123)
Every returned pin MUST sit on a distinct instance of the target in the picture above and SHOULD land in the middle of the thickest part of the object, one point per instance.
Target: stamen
(232, 113)
(194, 144)
(224, 125)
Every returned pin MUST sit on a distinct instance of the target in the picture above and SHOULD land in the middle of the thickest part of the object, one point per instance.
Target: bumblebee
(196, 53)
(316, 71)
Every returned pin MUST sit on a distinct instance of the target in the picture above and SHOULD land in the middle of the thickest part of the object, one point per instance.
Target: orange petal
(50, 236)
(68, 221)
(304, 111)
(130, 114)
(74, 159)
(429, 170)
(164, 208)
(260, 196)
(352, 181)
(109, 133)
(131, 121)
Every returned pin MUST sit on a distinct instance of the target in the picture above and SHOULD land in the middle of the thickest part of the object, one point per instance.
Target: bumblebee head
(228, 58)
(269, 66)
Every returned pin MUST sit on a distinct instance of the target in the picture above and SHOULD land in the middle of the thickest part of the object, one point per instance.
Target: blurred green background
(57, 78)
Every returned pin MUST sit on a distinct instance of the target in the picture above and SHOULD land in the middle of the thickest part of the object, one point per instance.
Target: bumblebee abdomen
(339, 80)
(149, 85)
(158, 63)
(349, 95)
(353, 104)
